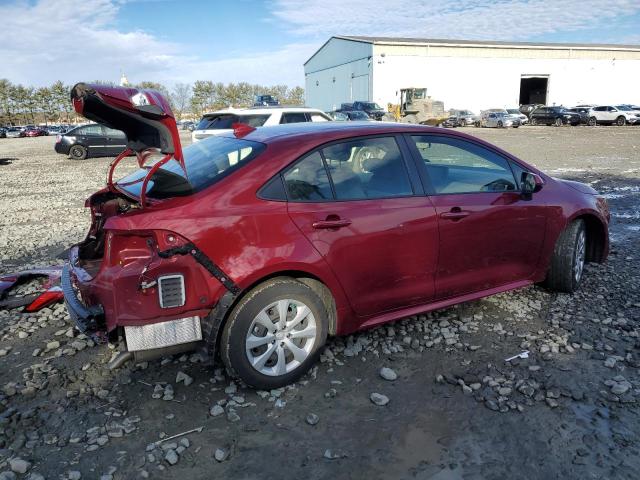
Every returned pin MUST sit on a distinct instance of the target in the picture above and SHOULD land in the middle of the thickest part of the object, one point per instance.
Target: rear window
(206, 161)
(226, 121)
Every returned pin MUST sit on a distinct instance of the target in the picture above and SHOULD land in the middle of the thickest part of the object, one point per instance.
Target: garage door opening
(533, 90)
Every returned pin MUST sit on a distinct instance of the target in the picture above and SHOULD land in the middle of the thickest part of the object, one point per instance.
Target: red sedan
(35, 132)
(260, 243)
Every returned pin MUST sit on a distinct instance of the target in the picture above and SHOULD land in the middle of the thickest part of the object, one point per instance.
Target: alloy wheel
(281, 337)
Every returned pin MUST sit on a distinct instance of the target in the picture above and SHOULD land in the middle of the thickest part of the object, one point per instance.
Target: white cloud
(466, 19)
(75, 41)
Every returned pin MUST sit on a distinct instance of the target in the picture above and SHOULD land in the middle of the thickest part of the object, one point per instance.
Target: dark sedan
(557, 116)
(91, 141)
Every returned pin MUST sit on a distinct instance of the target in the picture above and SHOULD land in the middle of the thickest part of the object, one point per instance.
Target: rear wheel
(78, 152)
(569, 255)
(499, 124)
(621, 121)
(592, 122)
(274, 335)
(533, 122)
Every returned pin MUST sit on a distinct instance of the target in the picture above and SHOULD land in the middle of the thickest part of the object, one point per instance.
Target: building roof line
(482, 43)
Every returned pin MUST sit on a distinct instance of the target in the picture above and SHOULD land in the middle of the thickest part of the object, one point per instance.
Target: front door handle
(456, 213)
(328, 224)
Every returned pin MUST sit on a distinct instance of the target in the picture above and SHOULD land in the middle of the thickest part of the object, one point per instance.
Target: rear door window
(318, 117)
(90, 130)
(367, 168)
(226, 121)
(293, 117)
(457, 166)
(307, 180)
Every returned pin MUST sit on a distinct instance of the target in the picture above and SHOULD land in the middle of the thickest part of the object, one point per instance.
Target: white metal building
(471, 74)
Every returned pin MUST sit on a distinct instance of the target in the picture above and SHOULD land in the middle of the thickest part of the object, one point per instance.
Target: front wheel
(569, 255)
(274, 335)
(533, 122)
(621, 121)
(558, 122)
(499, 124)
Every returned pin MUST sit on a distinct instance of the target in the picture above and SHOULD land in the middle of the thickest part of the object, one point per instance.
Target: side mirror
(530, 183)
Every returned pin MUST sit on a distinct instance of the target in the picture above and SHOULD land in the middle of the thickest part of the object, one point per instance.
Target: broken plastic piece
(51, 296)
(522, 355)
(36, 302)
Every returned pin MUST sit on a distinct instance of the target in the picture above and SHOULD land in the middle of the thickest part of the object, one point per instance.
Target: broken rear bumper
(87, 319)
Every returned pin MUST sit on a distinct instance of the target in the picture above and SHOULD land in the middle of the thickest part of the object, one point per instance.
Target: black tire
(592, 122)
(499, 124)
(558, 122)
(234, 335)
(78, 152)
(533, 122)
(621, 121)
(563, 273)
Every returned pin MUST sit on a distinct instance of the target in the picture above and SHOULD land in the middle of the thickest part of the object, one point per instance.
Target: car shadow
(7, 161)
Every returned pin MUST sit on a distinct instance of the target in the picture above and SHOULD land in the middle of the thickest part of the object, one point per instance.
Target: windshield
(514, 111)
(372, 106)
(206, 162)
(226, 121)
(623, 108)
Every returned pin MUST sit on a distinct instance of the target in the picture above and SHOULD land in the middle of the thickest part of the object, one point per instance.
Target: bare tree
(181, 96)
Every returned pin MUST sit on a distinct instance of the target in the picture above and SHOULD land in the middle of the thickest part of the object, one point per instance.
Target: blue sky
(266, 41)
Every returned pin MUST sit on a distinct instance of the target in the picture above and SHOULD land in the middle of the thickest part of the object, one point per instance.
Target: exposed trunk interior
(533, 90)
(103, 205)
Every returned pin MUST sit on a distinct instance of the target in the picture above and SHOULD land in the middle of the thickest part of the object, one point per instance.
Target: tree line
(20, 105)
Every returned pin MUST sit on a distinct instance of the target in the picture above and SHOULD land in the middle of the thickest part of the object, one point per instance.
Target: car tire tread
(560, 276)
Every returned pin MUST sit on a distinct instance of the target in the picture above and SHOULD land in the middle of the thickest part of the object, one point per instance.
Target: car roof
(328, 131)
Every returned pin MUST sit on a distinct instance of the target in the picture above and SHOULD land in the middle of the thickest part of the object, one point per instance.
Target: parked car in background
(14, 132)
(338, 116)
(517, 114)
(265, 101)
(557, 116)
(188, 125)
(358, 116)
(222, 121)
(54, 129)
(465, 117)
(498, 120)
(372, 109)
(35, 132)
(583, 112)
(264, 256)
(3, 133)
(93, 140)
(613, 115)
(451, 122)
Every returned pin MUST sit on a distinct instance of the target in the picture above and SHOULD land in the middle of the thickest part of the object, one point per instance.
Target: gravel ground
(427, 397)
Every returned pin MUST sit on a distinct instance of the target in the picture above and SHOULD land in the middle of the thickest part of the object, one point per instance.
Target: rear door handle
(326, 224)
(455, 214)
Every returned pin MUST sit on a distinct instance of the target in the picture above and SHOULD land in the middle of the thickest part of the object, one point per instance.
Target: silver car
(498, 120)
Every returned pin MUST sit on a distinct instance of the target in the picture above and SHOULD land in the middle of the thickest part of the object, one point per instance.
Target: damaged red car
(257, 244)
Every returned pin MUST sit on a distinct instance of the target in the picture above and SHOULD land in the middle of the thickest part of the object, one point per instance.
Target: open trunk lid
(143, 115)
